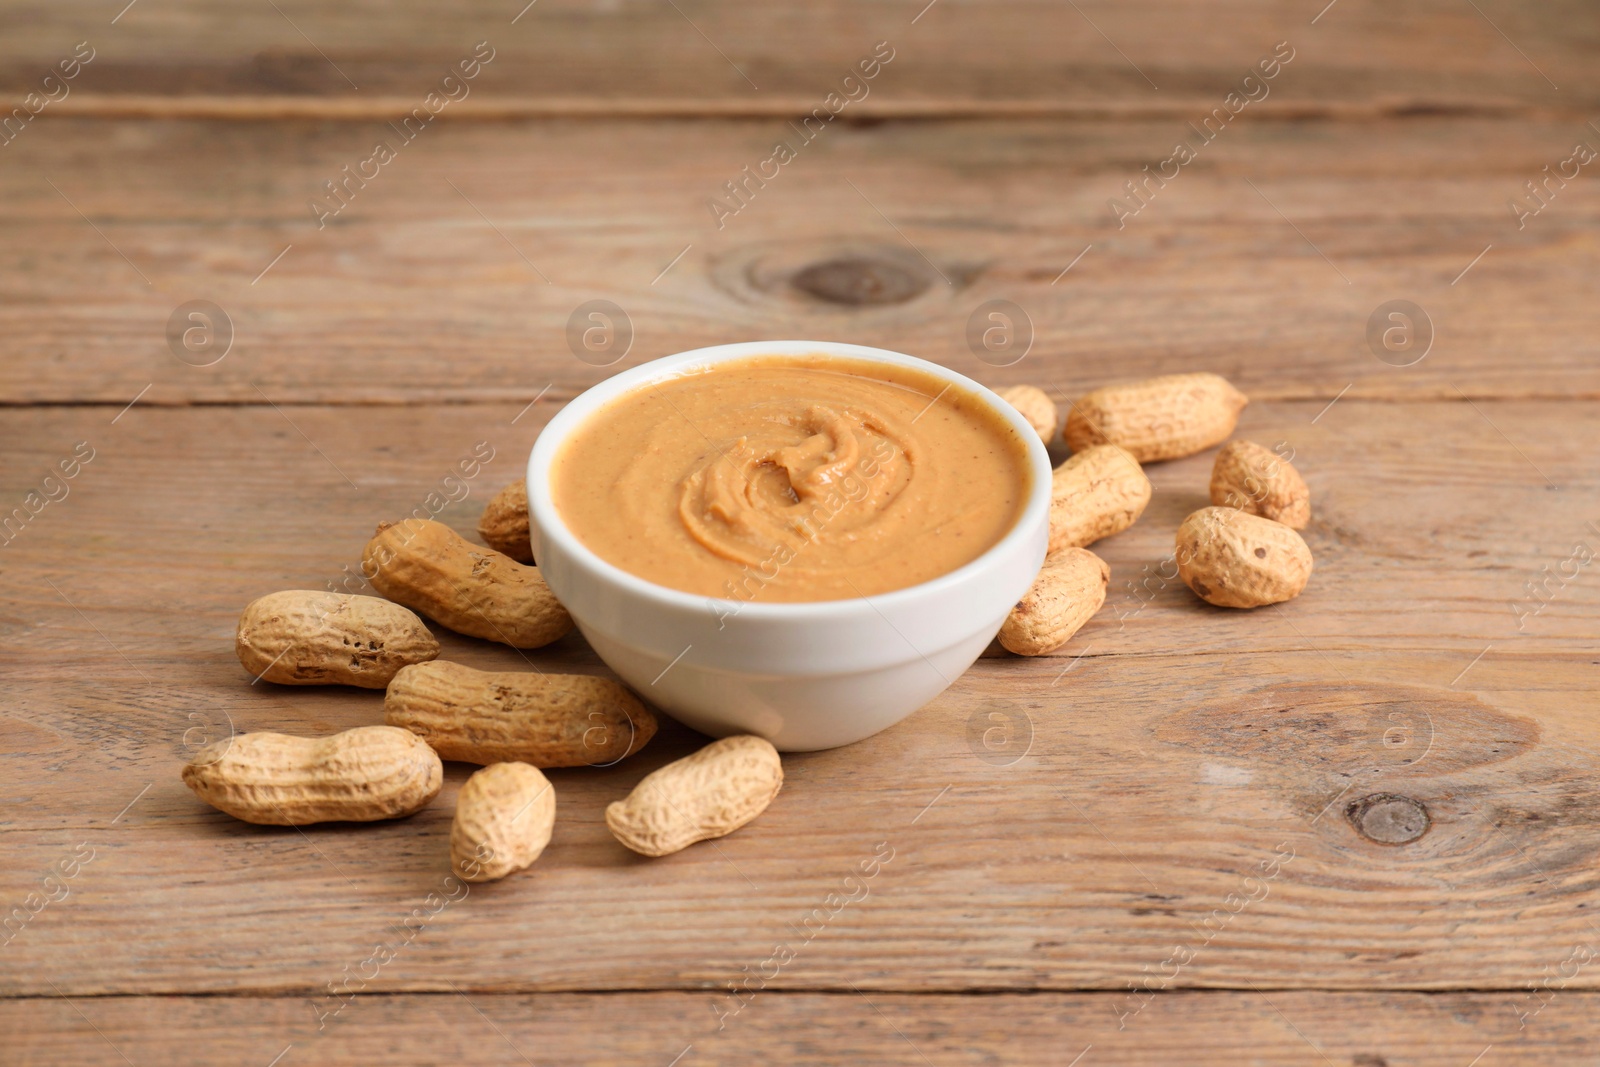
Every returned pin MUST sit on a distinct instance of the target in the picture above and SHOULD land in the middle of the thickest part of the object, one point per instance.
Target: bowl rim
(548, 524)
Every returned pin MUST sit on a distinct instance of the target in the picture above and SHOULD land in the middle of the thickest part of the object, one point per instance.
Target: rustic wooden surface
(1255, 1029)
(1218, 807)
(1208, 275)
(952, 53)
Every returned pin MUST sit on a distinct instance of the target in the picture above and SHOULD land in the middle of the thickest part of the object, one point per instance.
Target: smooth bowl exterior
(804, 675)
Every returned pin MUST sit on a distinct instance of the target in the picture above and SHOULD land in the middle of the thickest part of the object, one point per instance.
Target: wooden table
(1359, 828)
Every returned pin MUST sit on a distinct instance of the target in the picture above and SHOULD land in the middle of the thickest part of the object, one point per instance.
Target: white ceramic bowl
(808, 675)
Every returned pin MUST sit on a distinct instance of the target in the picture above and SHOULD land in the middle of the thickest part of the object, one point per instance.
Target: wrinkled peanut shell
(504, 816)
(306, 637)
(504, 522)
(1252, 478)
(1234, 559)
(547, 720)
(1098, 492)
(1158, 418)
(362, 774)
(475, 591)
(1069, 590)
(709, 794)
(1034, 405)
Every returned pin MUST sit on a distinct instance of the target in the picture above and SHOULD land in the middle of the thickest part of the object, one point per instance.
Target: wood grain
(1285, 1029)
(1358, 828)
(1421, 513)
(456, 272)
(1061, 824)
(1429, 54)
(1197, 830)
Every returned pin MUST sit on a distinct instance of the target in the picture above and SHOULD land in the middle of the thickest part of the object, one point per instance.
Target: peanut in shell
(504, 816)
(1158, 418)
(476, 591)
(546, 720)
(1252, 478)
(308, 637)
(1034, 405)
(1234, 559)
(709, 794)
(1069, 590)
(1096, 493)
(504, 522)
(359, 775)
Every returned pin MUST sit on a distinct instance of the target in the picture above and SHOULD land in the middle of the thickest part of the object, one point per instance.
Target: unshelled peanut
(307, 637)
(476, 591)
(1252, 478)
(1158, 418)
(1234, 559)
(362, 774)
(1034, 405)
(709, 794)
(1096, 493)
(504, 815)
(504, 522)
(1069, 590)
(547, 720)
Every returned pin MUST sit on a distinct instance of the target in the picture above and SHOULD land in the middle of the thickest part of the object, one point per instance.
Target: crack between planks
(294, 993)
(419, 401)
(283, 107)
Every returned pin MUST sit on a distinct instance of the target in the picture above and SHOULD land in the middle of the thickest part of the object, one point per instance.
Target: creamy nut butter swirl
(792, 479)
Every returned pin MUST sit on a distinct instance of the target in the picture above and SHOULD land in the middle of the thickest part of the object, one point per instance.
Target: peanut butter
(792, 479)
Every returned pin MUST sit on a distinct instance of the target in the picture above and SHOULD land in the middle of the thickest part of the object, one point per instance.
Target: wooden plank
(869, 111)
(1136, 790)
(459, 272)
(1430, 54)
(1422, 512)
(1189, 817)
(1223, 1029)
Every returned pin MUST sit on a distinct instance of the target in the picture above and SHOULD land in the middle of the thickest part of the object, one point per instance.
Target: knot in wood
(1388, 818)
(859, 281)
